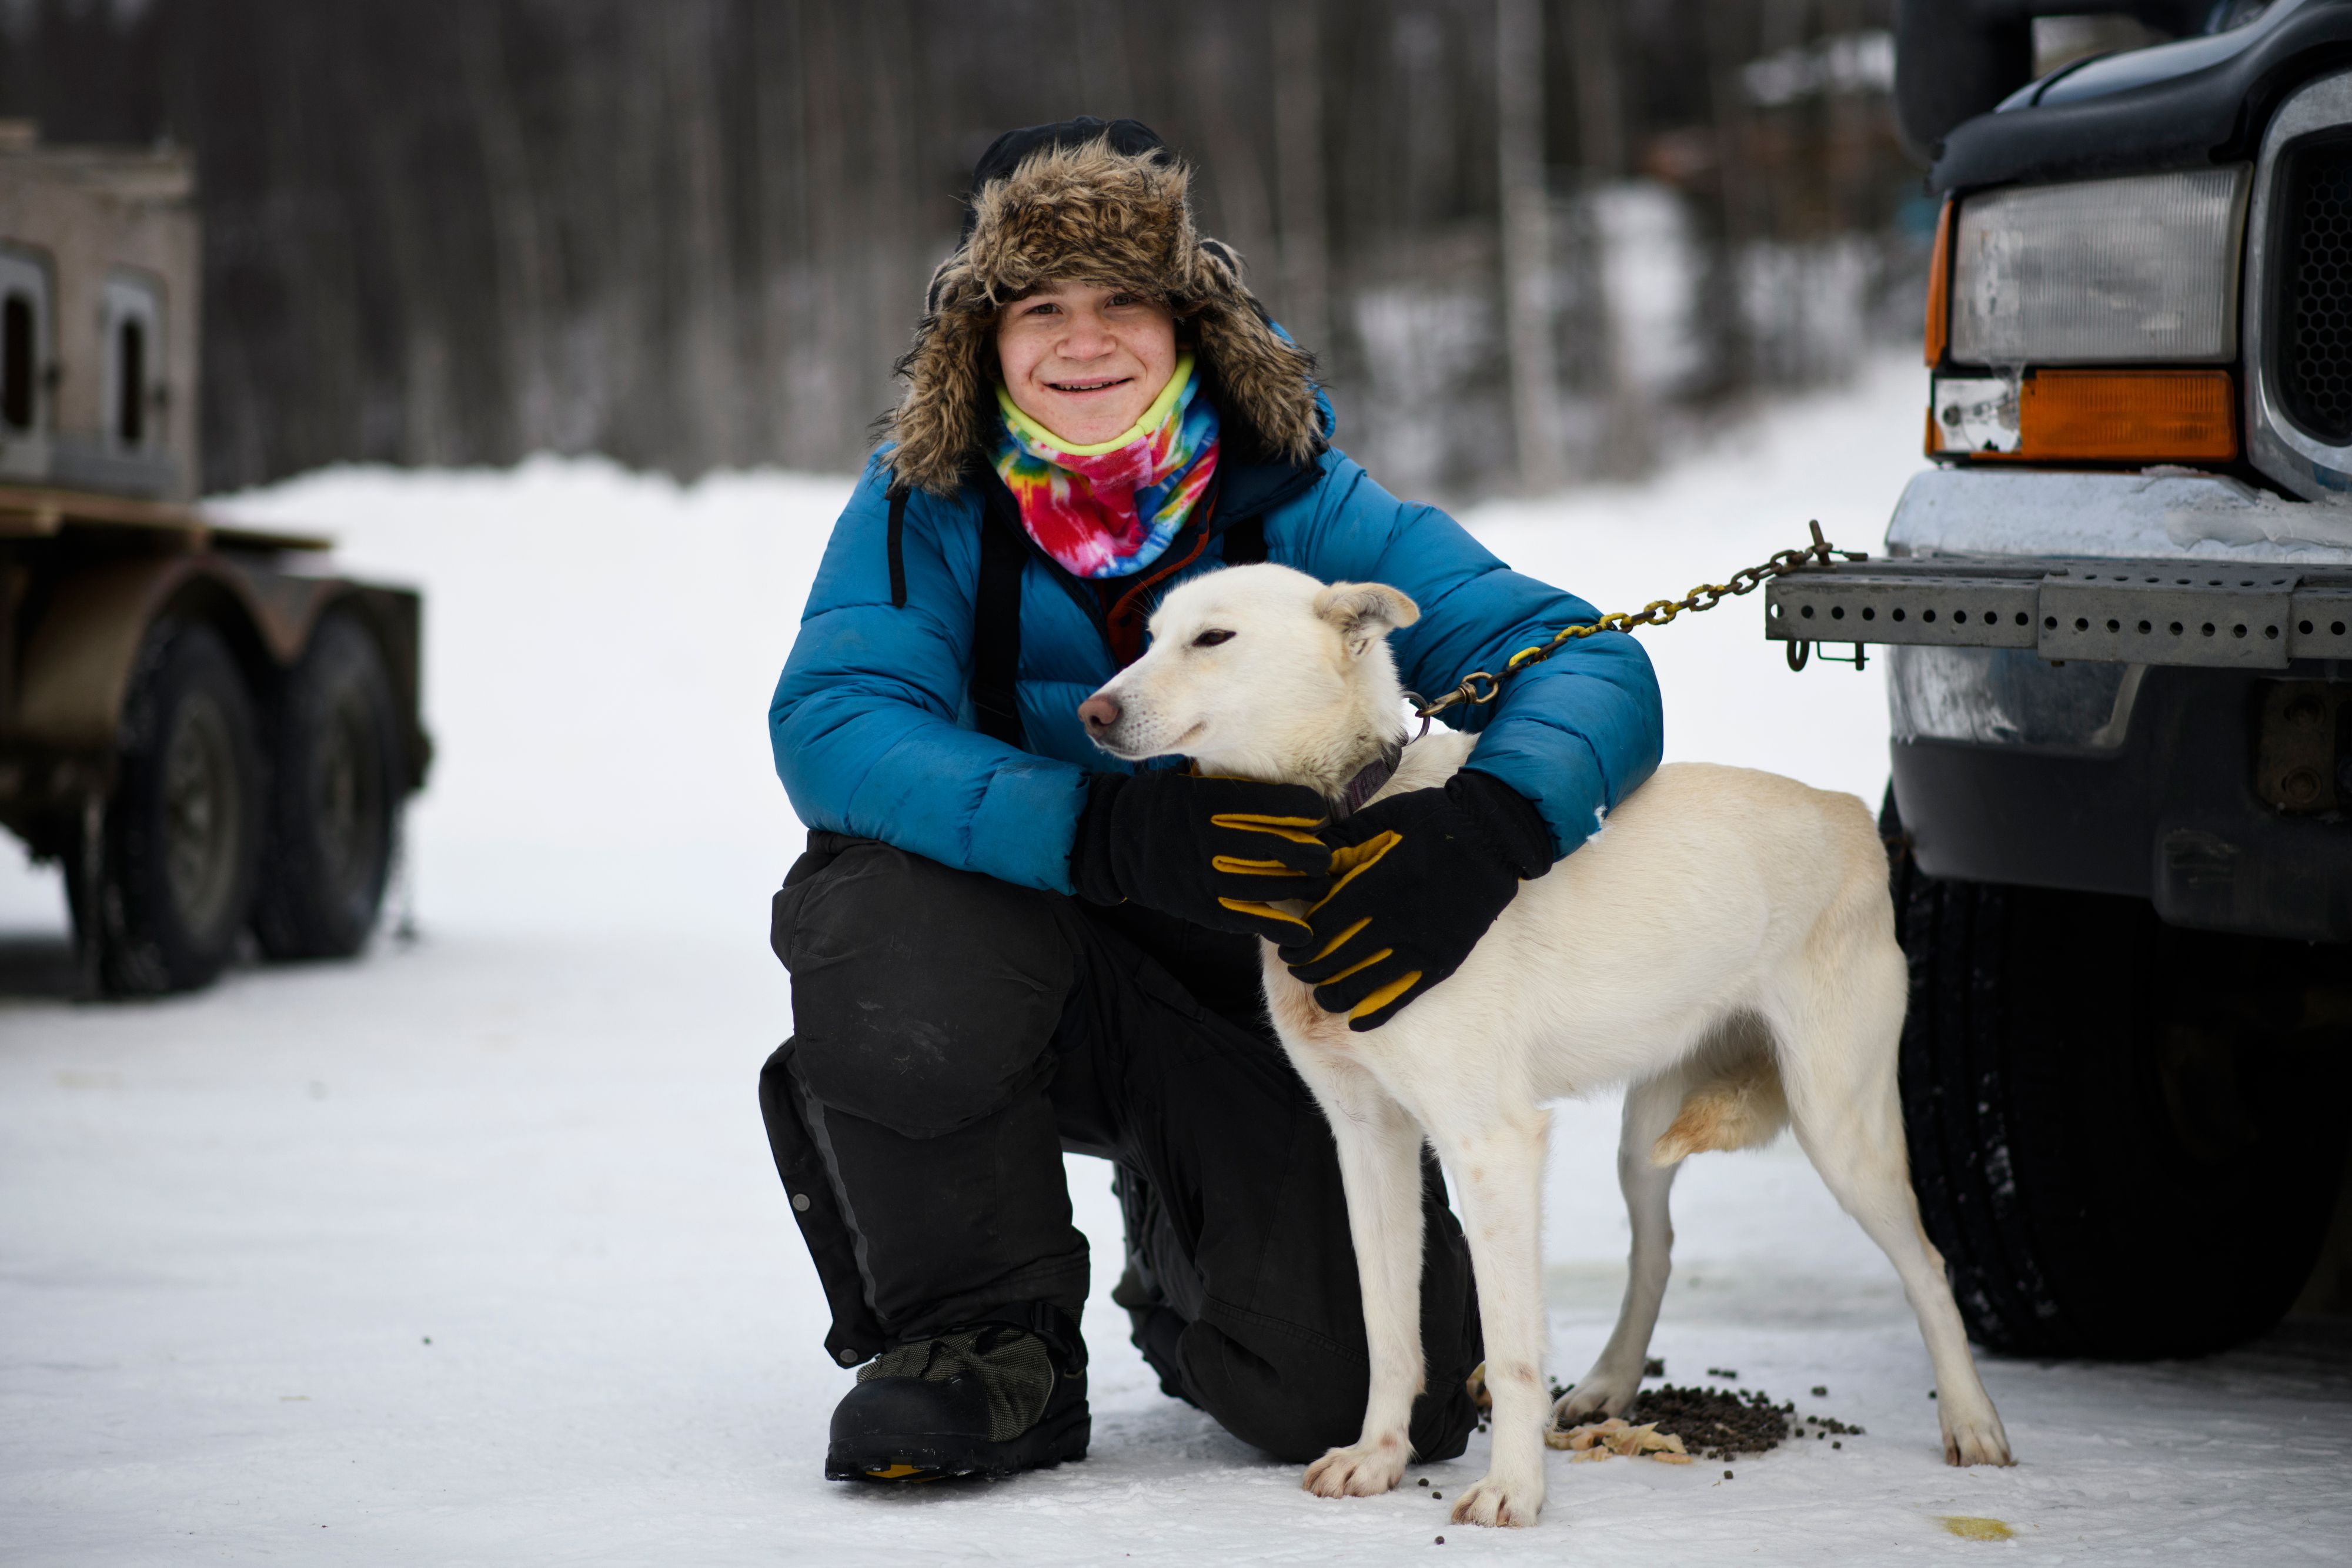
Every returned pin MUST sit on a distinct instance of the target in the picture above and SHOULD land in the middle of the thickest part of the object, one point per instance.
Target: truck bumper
(2170, 815)
(2115, 684)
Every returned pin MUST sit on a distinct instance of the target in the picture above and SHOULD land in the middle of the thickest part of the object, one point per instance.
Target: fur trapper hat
(1109, 205)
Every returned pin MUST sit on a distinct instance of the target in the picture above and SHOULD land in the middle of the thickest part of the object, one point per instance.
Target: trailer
(213, 732)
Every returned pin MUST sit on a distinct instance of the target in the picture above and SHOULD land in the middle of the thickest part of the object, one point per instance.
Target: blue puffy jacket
(872, 721)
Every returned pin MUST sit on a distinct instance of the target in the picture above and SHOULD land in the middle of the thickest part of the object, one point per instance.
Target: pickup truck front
(2119, 673)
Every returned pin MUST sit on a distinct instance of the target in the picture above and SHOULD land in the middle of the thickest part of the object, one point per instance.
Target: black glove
(1214, 851)
(1416, 880)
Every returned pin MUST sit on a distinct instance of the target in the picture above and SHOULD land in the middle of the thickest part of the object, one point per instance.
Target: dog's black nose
(1098, 712)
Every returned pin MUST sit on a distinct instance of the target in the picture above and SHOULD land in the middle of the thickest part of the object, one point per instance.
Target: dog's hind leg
(1379, 1166)
(1494, 1153)
(1839, 1019)
(1616, 1377)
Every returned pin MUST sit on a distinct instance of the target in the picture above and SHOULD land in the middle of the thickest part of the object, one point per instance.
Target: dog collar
(1368, 782)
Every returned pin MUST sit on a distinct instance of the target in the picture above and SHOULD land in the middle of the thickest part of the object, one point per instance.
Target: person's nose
(1098, 712)
(1085, 340)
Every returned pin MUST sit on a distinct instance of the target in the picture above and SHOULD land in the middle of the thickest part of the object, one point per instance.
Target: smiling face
(1260, 672)
(1083, 361)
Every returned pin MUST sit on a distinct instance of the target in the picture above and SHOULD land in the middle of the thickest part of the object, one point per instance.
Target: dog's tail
(1740, 1107)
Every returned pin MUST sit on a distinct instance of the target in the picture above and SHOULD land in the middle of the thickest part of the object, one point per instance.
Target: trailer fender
(78, 666)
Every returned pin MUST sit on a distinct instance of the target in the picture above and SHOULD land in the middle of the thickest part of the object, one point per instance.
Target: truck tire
(184, 829)
(334, 803)
(2126, 1138)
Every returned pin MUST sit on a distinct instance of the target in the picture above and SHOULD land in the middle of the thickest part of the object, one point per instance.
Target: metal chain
(1482, 687)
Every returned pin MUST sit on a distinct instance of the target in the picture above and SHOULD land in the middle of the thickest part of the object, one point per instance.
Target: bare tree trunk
(1600, 108)
(780, 203)
(1731, 27)
(1299, 171)
(1526, 248)
(688, 46)
(1244, 216)
(1849, 130)
(526, 285)
(1106, 85)
(1623, 450)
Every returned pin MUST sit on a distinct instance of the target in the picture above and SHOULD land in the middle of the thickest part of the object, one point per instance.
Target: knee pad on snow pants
(924, 999)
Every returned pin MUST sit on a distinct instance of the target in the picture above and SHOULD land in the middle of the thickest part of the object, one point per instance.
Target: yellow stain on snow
(1968, 1527)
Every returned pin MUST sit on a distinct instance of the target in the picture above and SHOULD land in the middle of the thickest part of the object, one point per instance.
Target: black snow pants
(953, 1035)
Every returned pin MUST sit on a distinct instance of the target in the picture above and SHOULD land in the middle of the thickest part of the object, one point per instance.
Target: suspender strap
(996, 629)
(996, 613)
(898, 547)
(1245, 542)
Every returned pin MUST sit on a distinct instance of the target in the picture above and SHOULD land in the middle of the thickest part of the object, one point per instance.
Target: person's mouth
(1088, 385)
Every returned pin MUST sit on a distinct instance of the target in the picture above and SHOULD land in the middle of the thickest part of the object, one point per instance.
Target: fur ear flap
(1364, 612)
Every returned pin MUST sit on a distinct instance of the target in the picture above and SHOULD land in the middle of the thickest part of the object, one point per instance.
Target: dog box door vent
(135, 361)
(27, 353)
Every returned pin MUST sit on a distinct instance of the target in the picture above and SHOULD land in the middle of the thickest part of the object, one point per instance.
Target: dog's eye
(1210, 639)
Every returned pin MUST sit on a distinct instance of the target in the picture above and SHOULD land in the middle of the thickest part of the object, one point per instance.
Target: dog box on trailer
(212, 733)
(98, 318)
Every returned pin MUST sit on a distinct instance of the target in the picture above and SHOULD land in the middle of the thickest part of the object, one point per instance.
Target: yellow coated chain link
(1482, 687)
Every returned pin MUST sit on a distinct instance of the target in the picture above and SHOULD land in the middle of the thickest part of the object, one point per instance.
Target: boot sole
(902, 1460)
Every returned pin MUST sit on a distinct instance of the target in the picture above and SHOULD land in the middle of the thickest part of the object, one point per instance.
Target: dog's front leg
(1379, 1166)
(1496, 1158)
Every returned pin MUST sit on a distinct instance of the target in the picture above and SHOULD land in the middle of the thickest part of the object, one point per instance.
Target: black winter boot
(990, 1399)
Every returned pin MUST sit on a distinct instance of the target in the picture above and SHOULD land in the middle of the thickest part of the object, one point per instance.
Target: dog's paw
(1976, 1440)
(1361, 1469)
(1598, 1396)
(1498, 1503)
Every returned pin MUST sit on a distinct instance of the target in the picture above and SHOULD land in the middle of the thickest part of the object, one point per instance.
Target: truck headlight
(2100, 271)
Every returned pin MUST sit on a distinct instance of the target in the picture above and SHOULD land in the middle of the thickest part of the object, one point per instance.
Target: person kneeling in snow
(1005, 945)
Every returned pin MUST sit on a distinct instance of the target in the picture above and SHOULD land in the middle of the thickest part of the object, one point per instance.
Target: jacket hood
(1109, 206)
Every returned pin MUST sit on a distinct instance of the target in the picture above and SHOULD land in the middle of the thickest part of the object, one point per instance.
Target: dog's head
(1260, 672)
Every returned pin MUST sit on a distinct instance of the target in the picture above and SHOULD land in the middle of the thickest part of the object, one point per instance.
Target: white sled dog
(1725, 946)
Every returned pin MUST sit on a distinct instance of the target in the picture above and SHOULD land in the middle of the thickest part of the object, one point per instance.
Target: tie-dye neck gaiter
(1109, 510)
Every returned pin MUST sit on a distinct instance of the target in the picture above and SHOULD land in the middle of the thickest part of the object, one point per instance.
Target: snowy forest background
(1531, 240)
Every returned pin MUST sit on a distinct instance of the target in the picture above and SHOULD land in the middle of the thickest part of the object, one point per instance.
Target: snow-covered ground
(470, 1252)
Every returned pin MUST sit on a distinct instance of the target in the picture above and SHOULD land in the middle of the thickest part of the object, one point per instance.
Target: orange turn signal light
(2115, 416)
(2129, 416)
(1940, 284)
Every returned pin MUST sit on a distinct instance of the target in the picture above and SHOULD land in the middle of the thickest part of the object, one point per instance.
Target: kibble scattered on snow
(1716, 1422)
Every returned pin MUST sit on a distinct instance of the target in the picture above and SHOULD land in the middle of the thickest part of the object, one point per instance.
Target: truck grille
(2314, 353)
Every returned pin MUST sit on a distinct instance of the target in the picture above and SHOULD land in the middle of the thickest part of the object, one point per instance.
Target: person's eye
(1042, 308)
(1212, 638)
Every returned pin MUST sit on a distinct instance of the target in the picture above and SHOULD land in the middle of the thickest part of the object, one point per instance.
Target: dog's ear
(1364, 612)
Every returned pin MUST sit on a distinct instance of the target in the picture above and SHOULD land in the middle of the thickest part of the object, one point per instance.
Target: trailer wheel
(2126, 1138)
(184, 830)
(335, 803)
